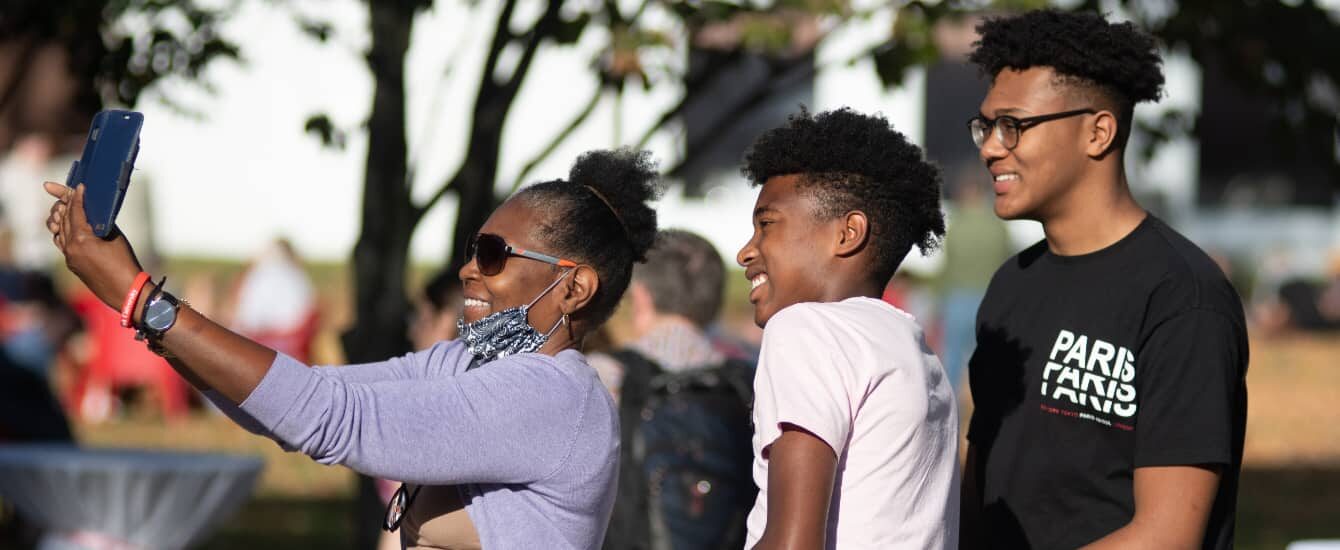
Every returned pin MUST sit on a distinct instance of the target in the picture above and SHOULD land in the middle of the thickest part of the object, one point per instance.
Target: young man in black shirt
(1109, 375)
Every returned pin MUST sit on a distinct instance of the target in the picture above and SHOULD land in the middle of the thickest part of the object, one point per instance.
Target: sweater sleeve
(513, 421)
(445, 358)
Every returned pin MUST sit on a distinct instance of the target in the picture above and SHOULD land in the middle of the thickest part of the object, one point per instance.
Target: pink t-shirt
(858, 375)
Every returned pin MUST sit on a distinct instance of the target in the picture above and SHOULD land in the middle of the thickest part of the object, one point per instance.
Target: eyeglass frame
(398, 506)
(472, 252)
(1021, 124)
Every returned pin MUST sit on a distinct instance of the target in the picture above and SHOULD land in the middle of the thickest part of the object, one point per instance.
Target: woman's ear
(580, 289)
(855, 231)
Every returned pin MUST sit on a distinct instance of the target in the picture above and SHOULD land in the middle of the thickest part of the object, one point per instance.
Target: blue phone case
(104, 168)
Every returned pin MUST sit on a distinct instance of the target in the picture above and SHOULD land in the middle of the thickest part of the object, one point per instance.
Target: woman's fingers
(77, 216)
(56, 190)
(64, 222)
(53, 218)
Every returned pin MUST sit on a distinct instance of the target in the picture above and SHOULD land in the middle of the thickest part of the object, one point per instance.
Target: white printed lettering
(1064, 340)
(1077, 352)
(1103, 353)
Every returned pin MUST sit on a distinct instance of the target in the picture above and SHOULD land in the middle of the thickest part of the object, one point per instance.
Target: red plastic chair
(118, 361)
(295, 342)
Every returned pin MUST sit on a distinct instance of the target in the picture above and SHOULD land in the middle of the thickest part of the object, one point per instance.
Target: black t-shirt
(1088, 367)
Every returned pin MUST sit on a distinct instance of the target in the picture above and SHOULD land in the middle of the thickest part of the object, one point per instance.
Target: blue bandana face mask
(506, 332)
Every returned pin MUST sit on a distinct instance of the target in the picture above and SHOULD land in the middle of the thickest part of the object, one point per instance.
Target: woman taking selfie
(505, 437)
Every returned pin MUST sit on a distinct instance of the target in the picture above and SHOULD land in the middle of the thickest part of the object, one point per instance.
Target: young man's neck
(1100, 212)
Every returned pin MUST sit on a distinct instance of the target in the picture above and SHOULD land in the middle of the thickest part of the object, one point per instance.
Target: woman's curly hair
(850, 161)
(1117, 61)
(600, 216)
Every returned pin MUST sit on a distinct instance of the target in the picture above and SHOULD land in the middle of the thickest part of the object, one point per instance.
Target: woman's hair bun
(626, 180)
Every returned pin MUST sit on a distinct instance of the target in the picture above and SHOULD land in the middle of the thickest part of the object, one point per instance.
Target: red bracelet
(132, 297)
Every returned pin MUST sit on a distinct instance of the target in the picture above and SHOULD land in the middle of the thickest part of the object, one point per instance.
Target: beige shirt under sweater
(437, 520)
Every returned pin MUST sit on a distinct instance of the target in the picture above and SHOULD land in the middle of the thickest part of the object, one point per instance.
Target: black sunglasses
(490, 253)
(1008, 128)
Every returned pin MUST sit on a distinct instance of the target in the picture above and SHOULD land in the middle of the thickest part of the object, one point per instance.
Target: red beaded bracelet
(132, 297)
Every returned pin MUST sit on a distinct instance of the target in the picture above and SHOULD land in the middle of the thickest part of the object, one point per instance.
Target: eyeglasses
(1008, 128)
(491, 251)
(397, 506)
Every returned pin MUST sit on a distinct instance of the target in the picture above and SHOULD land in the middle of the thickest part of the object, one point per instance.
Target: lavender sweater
(534, 438)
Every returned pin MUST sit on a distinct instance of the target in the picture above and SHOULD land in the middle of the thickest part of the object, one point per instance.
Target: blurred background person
(436, 311)
(31, 157)
(34, 325)
(976, 243)
(273, 302)
(1302, 304)
(685, 462)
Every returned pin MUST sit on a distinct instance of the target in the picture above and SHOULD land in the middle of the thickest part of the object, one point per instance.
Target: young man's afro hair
(850, 161)
(1117, 58)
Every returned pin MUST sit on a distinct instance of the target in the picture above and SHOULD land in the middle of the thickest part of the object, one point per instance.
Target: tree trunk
(382, 252)
(474, 181)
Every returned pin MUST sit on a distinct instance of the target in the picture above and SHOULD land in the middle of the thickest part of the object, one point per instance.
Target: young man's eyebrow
(1012, 111)
(763, 209)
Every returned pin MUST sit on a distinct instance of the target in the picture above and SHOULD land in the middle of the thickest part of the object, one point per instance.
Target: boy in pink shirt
(856, 428)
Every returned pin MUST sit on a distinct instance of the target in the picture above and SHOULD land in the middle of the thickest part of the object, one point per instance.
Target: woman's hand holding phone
(107, 267)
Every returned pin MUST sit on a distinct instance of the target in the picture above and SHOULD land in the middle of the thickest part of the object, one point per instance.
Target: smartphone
(104, 167)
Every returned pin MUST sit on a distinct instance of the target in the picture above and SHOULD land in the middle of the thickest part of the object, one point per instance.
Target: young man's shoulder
(1188, 278)
(1155, 264)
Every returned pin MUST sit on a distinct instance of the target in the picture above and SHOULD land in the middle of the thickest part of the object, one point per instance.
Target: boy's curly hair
(1113, 63)
(851, 161)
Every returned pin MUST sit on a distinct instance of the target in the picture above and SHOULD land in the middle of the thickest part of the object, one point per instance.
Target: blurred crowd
(63, 356)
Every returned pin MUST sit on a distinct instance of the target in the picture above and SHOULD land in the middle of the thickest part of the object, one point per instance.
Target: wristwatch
(160, 313)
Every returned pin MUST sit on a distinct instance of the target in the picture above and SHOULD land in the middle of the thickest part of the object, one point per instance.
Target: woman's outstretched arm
(209, 355)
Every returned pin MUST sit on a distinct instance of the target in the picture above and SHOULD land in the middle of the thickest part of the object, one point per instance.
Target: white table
(113, 499)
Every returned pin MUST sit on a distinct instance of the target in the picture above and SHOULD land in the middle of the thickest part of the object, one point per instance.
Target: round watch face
(160, 315)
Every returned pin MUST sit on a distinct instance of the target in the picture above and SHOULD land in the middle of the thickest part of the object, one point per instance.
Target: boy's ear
(1102, 134)
(854, 230)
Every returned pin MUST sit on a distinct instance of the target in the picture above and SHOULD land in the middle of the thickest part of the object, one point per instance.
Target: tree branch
(502, 34)
(489, 88)
(542, 29)
(691, 87)
(422, 209)
(435, 108)
(560, 138)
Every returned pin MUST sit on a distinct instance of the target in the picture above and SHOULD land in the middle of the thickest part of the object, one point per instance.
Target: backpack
(686, 458)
